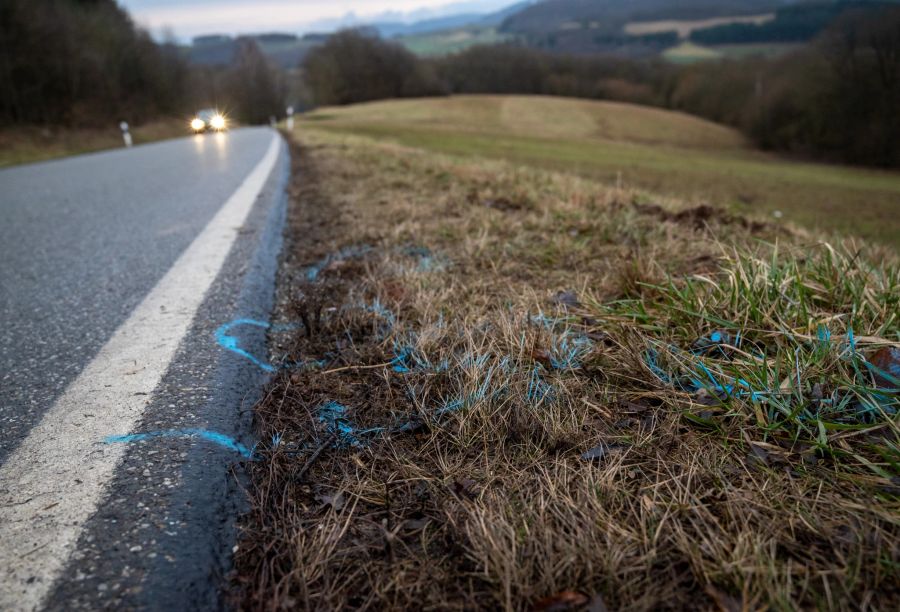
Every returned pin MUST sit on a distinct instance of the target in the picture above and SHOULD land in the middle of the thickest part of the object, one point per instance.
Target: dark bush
(70, 62)
(356, 67)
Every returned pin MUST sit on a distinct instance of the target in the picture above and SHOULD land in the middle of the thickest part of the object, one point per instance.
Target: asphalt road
(94, 249)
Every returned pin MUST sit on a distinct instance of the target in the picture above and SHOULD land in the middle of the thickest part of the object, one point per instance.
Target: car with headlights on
(208, 120)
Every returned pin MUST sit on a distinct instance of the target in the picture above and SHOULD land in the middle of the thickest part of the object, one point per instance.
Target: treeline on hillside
(837, 99)
(792, 23)
(354, 66)
(84, 63)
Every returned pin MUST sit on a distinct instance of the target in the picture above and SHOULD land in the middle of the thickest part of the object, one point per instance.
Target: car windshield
(206, 114)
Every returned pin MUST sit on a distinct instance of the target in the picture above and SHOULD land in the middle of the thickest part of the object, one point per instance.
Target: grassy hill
(652, 149)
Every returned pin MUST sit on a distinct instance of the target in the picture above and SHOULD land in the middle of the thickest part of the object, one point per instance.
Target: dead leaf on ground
(887, 360)
(542, 356)
(601, 451)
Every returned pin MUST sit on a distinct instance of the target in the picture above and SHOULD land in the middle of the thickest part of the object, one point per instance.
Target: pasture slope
(657, 150)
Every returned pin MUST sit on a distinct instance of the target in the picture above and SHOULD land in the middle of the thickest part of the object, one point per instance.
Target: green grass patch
(740, 51)
(689, 52)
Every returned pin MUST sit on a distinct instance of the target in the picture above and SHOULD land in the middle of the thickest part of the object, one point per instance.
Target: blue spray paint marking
(211, 436)
(349, 252)
(549, 322)
(567, 352)
(699, 376)
(231, 343)
(694, 379)
(378, 309)
(651, 358)
(538, 389)
(428, 261)
(403, 359)
(334, 416)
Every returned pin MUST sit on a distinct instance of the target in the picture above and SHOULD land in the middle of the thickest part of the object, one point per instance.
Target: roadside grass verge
(24, 145)
(503, 387)
(645, 148)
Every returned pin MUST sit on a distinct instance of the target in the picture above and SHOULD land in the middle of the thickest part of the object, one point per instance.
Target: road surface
(123, 415)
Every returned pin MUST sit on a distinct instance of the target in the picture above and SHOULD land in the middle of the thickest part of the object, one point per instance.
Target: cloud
(191, 17)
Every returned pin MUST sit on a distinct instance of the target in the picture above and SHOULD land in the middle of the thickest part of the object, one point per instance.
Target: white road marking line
(54, 481)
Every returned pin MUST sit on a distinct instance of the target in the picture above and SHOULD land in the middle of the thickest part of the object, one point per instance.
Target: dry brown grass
(661, 151)
(462, 483)
(23, 145)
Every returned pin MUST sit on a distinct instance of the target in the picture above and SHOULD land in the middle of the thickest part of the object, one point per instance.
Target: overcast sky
(191, 17)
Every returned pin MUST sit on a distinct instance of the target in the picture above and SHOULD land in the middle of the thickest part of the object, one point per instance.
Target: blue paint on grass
(334, 415)
(211, 436)
(538, 389)
(378, 309)
(568, 351)
(851, 341)
(349, 252)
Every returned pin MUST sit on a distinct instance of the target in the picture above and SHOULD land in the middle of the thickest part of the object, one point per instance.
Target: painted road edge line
(52, 483)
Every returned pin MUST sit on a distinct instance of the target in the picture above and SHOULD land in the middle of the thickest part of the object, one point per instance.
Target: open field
(504, 387)
(661, 151)
(740, 51)
(31, 144)
(451, 41)
(689, 52)
(685, 27)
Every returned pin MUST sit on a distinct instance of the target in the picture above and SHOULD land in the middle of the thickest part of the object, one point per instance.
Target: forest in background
(84, 63)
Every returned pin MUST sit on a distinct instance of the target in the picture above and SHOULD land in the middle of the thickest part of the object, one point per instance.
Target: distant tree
(82, 62)
(255, 88)
(841, 98)
(863, 94)
(496, 69)
(511, 68)
(356, 67)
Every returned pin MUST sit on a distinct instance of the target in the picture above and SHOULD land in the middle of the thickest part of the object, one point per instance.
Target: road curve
(118, 268)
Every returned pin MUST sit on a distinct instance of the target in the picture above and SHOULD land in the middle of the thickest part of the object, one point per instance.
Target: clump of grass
(781, 340)
(523, 418)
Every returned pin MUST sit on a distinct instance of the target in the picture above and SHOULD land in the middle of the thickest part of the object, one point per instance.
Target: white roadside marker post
(290, 118)
(126, 135)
